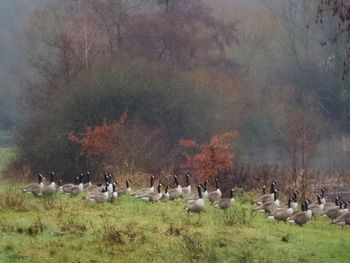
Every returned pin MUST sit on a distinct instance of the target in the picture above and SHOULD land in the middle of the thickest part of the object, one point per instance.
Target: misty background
(275, 83)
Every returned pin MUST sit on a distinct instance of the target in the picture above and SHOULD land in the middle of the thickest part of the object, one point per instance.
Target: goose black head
(59, 182)
(231, 193)
(289, 202)
(166, 189)
(52, 174)
(88, 176)
(76, 180)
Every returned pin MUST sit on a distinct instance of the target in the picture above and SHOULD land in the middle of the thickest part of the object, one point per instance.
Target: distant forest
(271, 70)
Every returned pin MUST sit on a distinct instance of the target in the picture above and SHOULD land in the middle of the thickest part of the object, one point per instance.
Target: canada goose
(318, 208)
(215, 195)
(266, 197)
(294, 203)
(186, 191)
(114, 194)
(153, 196)
(165, 196)
(196, 206)
(176, 192)
(301, 217)
(146, 190)
(204, 192)
(51, 188)
(281, 214)
(269, 206)
(66, 187)
(334, 212)
(97, 188)
(52, 184)
(30, 187)
(225, 203)
(76, 189)
(59, 186)
(127, 190)
(100, 196)
(332, 204)
(342, 220)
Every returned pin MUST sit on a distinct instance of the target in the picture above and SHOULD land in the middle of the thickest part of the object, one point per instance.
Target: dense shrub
(164, 104)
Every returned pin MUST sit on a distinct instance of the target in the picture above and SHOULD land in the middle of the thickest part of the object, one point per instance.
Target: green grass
(6, 154)
(71, 229)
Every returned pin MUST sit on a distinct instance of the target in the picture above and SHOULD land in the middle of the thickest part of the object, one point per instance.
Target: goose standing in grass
(342, 220)
(146, 190)
(52, 184)
(66, 187)
(153, 196)
(100, 197)
(225, 203)
(334, 211)
(114, 194)
(186, 191)
(269, 206)
(281, 214)
(294, 203)
(76, 189)
(127, 190)
(97, 188)
(215, 195)
(196, 206)
(301, 217)
(318, 208)
(34, 186)
(59, 186)
(177, 191)
(165, 196)
(266, 197)
(336, 203)
(204, 192)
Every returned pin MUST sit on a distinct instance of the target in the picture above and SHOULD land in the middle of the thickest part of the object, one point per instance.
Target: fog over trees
(184, 69)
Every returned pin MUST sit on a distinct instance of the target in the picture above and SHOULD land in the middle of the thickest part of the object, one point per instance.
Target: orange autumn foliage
(212, 158)
(99, 140)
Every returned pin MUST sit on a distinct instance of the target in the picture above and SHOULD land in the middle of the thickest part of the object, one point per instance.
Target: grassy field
(71, 229)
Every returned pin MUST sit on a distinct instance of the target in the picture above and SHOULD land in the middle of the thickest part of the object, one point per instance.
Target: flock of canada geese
(268, 203)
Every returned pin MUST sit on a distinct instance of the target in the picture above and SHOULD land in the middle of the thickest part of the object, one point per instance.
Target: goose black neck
(199, 189)
(289, 203)
(113, 188)
(303, 206)
(275, 196)
(264, 189)
(295, 195)
(152, 181)
(51, 177)
(272, 188)
(127, 184)
(216, 184)
(176, 181)
(337, 201)
(76, 180)
(106, 177)
(159, 188)
(188, 179)
(231, 194)
(319, 199)
(306, 206)
(205, 185)
(166, 189)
